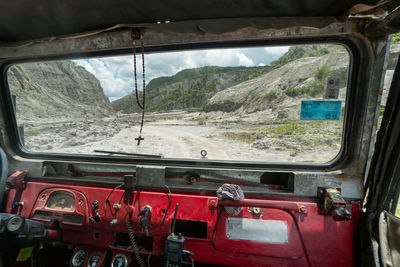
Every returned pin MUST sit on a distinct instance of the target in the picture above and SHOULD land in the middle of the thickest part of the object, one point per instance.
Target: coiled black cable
(133, 243)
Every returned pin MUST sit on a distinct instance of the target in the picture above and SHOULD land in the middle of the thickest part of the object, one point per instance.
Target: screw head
(256, 211)
(213, 203)
(303, 209)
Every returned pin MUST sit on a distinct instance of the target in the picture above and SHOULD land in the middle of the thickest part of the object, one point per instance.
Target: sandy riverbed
(172, 135)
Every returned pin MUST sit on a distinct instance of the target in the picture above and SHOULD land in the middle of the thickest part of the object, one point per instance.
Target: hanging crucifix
(140, 138)
(137, 34)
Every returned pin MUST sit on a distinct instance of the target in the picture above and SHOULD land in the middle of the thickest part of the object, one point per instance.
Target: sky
(116, 74)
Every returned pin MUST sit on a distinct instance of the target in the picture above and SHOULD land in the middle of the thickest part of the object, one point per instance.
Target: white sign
(266, 231)
(332, 88)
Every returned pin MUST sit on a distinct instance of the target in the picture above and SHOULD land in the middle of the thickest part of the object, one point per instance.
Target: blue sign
(320, 110)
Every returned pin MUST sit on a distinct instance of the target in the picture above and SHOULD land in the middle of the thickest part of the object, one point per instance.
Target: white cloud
(244, 61)
(108, 75)
(277, 50)
(116, 74)
(115, 98)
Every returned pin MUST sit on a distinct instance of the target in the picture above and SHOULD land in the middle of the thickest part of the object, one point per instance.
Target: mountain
(299, 79)
(56, 90)
(283, 87)
(192, 88)
(296, 52)
(189, 88)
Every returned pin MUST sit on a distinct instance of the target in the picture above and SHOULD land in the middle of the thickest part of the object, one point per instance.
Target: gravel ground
(174, 135)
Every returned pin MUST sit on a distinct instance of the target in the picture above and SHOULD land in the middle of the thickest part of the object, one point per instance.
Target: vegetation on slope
(314, 89)
(190, 88)
(396, 38)
(296, 52)
(241, 74)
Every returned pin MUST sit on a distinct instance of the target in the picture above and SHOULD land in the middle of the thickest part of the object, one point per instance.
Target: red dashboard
(269, 231)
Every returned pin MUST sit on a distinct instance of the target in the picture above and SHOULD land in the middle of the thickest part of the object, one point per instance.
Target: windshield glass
(268, 104)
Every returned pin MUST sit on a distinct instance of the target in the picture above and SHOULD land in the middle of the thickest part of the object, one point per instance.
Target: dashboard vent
(73, 218)
(43, 215)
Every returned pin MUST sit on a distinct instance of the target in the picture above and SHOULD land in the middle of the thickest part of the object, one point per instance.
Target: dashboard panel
(267, 232)
(66, 208)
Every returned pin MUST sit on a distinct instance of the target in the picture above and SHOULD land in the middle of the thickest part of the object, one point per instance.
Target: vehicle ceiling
(22, 20)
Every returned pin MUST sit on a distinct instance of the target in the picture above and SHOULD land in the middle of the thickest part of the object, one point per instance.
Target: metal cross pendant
(139, 139)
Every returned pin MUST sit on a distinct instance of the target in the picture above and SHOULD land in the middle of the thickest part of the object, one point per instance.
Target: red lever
(53, 235)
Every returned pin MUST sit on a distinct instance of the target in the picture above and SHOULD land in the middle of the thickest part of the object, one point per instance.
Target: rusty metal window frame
(339, 160)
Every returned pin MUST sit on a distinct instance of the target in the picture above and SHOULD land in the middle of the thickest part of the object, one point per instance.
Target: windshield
(268, 104)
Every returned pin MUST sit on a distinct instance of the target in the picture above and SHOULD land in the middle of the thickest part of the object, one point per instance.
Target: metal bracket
(16, 181)
(136, 33)
(212, 203)
(95, 211)
(17, 204)
(145, 218)
(331, 202)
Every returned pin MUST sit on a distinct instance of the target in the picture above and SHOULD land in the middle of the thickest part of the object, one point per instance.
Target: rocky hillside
(299, 79)
(56, 90)
(188, 88)
(192, 88)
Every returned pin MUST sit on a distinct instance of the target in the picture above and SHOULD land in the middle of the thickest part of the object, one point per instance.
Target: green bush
(317, 86)
(292, 92)
(32, 132)
(255, 95)
(396, 38)
(271, 95)
(316, 89)
(381, 111)
(321, 72)
(191, 110)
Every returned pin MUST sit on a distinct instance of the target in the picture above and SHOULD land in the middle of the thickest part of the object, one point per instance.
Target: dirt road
(172, 136)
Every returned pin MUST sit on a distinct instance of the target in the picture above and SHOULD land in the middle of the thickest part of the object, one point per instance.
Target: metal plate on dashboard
(266, 231)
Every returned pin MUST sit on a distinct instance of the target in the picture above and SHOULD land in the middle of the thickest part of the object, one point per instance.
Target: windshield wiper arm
(127, 154)
(213, 178)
